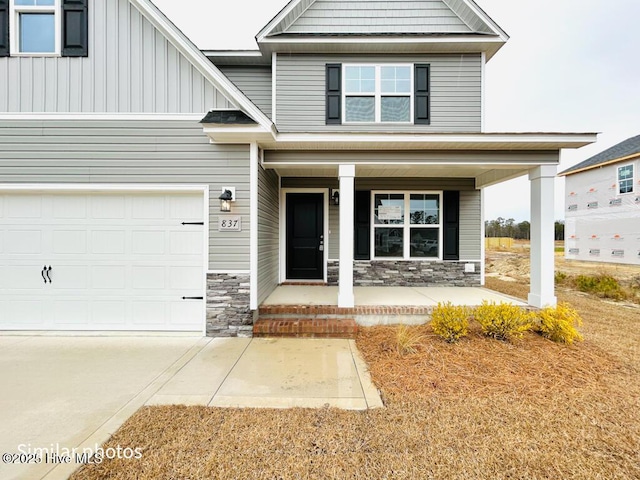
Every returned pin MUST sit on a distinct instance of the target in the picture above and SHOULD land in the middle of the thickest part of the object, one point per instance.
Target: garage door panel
(108, 242)
(148, 278)
(108, 207)
(68, 311)
(107, 314)
(24, 242)
(109, 277)
(146, 208)
(69, 207)
(185, 279)
(119, 261)
(69, 242)
(148, 242)
(24, 206)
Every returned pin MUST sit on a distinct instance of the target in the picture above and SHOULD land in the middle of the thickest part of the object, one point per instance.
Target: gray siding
(470, 225)
(133, 152)
(468, 16)
(367, 17)
(254, 82)
(292, 16)
(268, 232)
(455, 93)
(131, 67)
(470, 205)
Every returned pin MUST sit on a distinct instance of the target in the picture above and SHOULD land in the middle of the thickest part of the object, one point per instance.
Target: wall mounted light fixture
(335, 196)
(228, 196)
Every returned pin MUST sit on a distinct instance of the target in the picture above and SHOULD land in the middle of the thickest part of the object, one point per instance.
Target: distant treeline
(501, 227)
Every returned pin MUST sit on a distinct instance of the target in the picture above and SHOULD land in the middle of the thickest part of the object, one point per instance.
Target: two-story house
(602, 206)
(138, 172)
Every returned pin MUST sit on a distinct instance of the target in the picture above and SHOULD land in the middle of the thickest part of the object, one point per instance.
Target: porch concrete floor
(387, 296)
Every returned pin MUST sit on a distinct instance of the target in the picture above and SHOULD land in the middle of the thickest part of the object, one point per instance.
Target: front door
(305, 236)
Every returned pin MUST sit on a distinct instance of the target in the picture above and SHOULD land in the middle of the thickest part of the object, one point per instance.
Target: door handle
(44, 269)
(48, 270)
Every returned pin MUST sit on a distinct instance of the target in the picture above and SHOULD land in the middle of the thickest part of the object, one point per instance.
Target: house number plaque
(230, 223)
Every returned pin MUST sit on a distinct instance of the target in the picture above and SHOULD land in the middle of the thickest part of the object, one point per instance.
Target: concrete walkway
(62, 392)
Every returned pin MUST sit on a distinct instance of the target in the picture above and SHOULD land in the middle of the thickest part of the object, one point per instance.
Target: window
(44, 28)
(625, 179)
(36, 26)
(378, 93)
(407, 225)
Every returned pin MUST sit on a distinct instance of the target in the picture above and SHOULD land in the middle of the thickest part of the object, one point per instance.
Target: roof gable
(626, 150)
(200, 62)
(376, 17)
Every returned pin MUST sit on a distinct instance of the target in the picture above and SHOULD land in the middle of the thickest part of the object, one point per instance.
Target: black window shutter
(451, 225)
(334, 94)
(4, 28)
(75, 28)
(362, 226)
(422, 85)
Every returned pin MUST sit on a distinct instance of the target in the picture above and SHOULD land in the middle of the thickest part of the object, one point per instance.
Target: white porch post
(541, 289)
(347, 175)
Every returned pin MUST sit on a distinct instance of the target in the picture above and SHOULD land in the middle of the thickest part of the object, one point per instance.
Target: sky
(569, 66)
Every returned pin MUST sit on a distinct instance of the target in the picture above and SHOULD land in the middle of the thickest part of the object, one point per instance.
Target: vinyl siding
(470, 225)
(367, 17)
(131, 67)
(254, 82)
(455, 93)
(268, 232)
(466, 14)
(470, 207)
(170, 152)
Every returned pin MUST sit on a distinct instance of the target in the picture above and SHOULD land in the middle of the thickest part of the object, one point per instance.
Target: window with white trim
(625, 179)
(407, 225)
(378, 93)
(36, 26)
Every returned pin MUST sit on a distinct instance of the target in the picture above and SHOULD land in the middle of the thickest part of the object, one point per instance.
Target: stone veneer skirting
(228, 307)
(401, 273)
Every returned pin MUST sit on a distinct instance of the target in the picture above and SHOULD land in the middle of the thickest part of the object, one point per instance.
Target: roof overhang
(429, 141)
(488, 44)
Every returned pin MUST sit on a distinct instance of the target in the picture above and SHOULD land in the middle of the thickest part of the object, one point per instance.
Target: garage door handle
(44, 269)
(47, 271)
(193, 298)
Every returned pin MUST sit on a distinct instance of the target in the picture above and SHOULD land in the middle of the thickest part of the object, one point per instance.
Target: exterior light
(335, 196)
(225, 200)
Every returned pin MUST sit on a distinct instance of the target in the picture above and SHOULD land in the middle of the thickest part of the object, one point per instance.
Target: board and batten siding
(366, 17)
(268, 232)
(254, 82)
(125, 152)
(455, 93)
(131, 67)
(470, 205)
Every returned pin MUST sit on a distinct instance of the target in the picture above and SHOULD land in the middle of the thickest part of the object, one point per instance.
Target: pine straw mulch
(480, 409)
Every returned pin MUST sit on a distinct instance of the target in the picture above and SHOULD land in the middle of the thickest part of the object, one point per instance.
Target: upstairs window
(44, 28)
(378, 93)
(36, 26)
(625, 179)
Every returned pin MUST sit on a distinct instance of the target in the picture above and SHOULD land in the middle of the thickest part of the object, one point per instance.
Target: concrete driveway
(58, 393)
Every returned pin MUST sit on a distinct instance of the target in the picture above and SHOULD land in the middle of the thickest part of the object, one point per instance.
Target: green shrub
(560, 277)
(503, 321)
(602, 285)
(559, 323)
(450, 322)
(408, 340)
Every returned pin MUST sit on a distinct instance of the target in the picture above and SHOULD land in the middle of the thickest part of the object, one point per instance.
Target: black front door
(305, 236)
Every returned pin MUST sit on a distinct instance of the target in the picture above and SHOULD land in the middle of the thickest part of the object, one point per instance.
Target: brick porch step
(305, 327)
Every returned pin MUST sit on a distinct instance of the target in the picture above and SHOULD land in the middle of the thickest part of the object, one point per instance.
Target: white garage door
(102, 261)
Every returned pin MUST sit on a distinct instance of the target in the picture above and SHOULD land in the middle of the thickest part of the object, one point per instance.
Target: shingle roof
(228, 117)
(630, 146)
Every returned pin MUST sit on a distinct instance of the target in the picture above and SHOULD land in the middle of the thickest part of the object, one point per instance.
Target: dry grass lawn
(479, 409)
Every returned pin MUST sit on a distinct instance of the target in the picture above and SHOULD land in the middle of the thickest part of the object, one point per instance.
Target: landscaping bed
(477, 409)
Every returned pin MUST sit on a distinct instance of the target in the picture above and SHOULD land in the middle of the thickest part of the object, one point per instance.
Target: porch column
(347, 175)
(541, 288)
